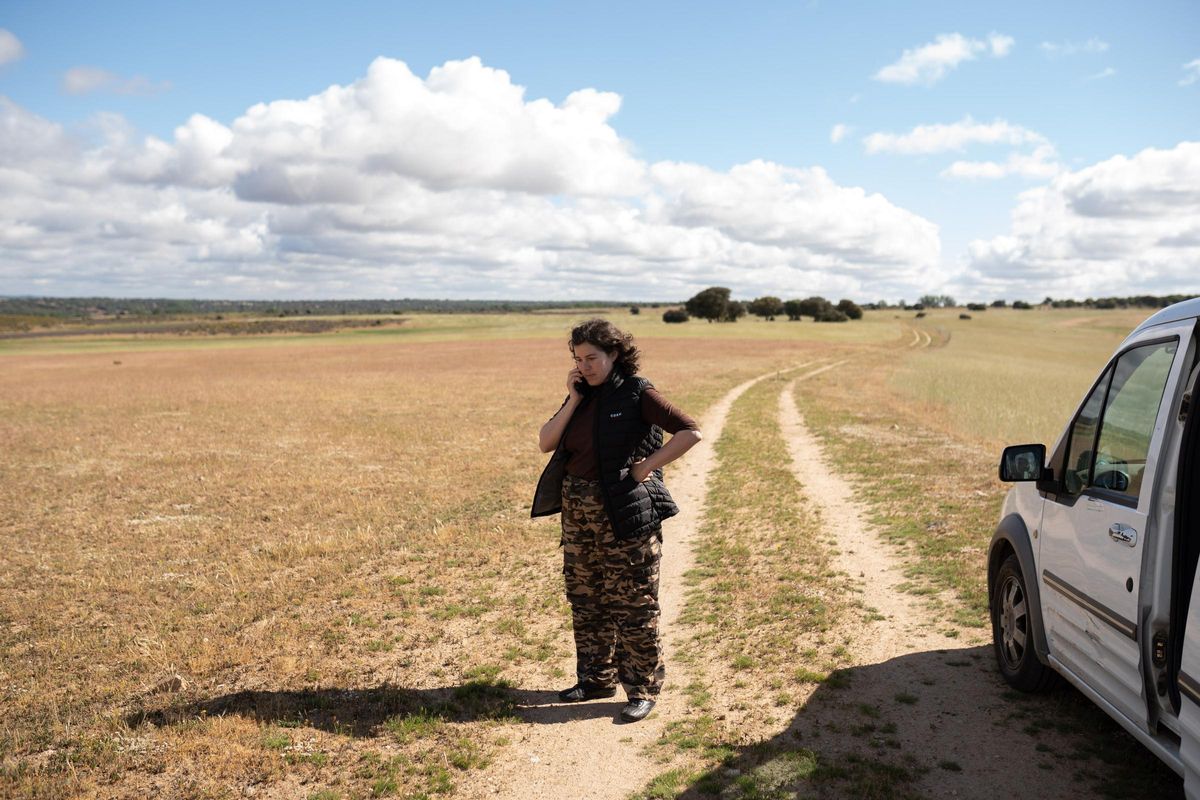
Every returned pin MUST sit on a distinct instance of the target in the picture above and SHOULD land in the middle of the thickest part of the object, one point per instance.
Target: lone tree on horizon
(710, 304)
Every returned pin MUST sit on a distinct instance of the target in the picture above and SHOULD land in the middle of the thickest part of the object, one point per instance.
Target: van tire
(1012, 631)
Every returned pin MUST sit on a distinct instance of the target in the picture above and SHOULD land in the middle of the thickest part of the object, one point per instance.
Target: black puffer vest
(621, 437)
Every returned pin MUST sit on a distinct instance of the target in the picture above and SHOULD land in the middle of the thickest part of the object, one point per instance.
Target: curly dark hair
(608, 337)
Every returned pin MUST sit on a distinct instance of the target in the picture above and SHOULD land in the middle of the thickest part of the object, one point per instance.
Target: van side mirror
(1024, 462)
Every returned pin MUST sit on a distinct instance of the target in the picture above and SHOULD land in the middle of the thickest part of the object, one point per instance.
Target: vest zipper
(612, 518)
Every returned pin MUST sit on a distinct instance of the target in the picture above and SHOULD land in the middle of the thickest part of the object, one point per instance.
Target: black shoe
(586, 691)
(636, 709)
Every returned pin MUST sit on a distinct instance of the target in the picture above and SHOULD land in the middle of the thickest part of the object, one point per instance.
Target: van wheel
(1012, 632)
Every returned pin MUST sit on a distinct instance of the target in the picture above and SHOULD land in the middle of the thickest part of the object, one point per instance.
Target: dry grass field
(326, 537)
(328, 542)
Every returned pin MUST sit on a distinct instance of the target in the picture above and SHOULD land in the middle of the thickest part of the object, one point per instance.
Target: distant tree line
(1137, 301)
(946, 301)
(715, 305)
(89, 307)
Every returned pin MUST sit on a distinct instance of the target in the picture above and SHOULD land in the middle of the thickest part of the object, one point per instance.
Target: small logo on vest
(615, 414)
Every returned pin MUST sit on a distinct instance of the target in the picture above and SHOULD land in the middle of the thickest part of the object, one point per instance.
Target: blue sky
(703, 84)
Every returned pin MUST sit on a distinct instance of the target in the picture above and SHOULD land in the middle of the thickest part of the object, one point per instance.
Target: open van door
(1095, 530)
(1186, 688)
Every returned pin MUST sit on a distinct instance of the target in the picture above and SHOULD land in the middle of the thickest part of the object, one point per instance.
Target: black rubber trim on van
(1189, 686)
(1099, 609)
(1110, 496)
(1186, 549)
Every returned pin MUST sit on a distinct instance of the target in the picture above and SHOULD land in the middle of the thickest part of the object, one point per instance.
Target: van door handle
(1122, 533)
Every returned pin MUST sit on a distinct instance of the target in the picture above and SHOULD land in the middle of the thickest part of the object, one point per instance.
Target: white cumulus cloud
(86, 80)
(1037, 157)
(839, 132)
(1191, 73)
(11, 48)
(451, 185)
(930, 62)
(1124, 226)
(999, 45)
(954, 136)
(1040, 163)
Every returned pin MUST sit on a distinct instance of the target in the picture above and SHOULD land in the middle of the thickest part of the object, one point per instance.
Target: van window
(1131, 410)
(1083, 438)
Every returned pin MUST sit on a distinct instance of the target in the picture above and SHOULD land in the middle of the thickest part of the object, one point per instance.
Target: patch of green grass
(437, 779)
(466, 754)
(698, 694)
(384, 786)
(359, 620)
(806, 675)
(317, 759)
(665, 786)
(273, 739)
(482, 672)
(418, 725)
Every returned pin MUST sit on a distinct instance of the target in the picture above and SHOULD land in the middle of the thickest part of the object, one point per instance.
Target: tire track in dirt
(921, 338)
(579, 751)
(942, 694)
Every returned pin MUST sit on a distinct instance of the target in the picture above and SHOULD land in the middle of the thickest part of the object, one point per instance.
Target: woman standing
(605, 478)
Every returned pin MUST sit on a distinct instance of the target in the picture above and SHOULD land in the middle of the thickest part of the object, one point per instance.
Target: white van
(1092, 568)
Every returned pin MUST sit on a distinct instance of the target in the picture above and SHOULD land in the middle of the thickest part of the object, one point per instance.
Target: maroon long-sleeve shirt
(577, 438)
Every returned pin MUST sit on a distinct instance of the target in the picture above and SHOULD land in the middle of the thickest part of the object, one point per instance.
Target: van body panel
(1107, 582)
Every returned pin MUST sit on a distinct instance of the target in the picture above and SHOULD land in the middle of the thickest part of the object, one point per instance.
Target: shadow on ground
(933, 724)
(365, 712)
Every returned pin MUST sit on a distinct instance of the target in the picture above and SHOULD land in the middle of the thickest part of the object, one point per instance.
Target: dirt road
(581, 751)
(928, 690)
(941, 694)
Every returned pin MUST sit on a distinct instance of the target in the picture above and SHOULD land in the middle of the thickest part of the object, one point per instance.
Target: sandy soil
(582, 750)
(952, 714)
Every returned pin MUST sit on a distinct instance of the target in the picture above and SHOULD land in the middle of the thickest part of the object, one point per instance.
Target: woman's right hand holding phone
(575, 377)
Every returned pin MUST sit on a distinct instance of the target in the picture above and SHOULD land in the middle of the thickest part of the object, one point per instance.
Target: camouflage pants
(612, 586)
